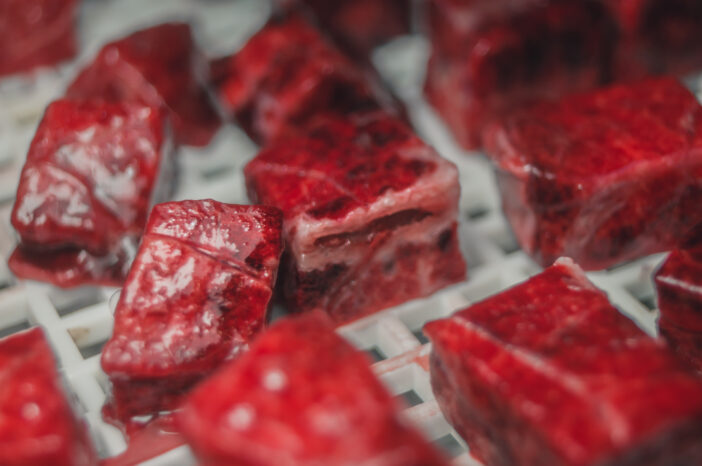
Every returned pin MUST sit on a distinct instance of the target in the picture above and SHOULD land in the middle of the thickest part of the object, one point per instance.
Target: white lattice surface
(78, 322)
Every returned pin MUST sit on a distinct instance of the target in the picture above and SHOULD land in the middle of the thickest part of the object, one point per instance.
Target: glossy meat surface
(285, 75)
(300, 396)
(37, 423)
(36, 33)
(489, 58)
(92, 170)
(369, 214)
(197, 292)
(679, 288)
(160, 67)
(603, 177)
(549, 372)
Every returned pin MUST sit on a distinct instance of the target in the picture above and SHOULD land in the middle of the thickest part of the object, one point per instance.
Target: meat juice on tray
(550, 373)
(197, 293)
(370, 215)
(92, 172)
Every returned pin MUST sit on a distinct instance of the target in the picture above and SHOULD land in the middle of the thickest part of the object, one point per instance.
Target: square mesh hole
(419, 335)
(92, 350)
(449, 445)
(67, 302)
(477, 212)
(376, 354)
(24, 325)
(410, 398)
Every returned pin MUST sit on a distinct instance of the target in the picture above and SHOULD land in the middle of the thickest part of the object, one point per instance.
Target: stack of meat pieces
(301, 396)
(36, 33)
(159, 66)
(37, 423)
(92, 172)
(549, 373)
(679, 286)
(370, 214)
(285, 75)
(197, 292)
(603, 177)
(492, 56)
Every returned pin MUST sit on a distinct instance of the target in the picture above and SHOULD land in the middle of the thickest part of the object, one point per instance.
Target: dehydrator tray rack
(78, 322)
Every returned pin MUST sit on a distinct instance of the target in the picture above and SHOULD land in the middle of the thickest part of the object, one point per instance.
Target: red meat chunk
(37, 422)
(300, 396)
(658, 36)
(158, 66)
(489, 57)
(91, 173)
(550, 373)
(286, 74)
(679, 286)
(359, 25)
(603, 177)
(197, 292)
(369, 215)
(36, 33)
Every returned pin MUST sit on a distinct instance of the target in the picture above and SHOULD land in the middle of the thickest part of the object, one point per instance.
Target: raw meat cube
(286, 74)
(91, 174)
(300, 396)
(369, 215)
(197, 292)
(679, 287)
(37, 422)
(36, 33)
(159, 66)
(658, 36)
(490, 57)
(603, 177)
(359, 25)
(550, 373)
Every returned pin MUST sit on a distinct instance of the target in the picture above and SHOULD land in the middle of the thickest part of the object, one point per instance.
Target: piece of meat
(603, 177)
(358, 25)
(37, 423)
(302, 396)
(550, 373)
(490, 57)
(370, 215)
(160, 66)
(658, 36)
(679, 288)
(36, 33)
(92, 172)
(197, 292)
(285, 75)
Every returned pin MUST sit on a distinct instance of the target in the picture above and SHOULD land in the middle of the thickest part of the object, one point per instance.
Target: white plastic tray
(78, 322)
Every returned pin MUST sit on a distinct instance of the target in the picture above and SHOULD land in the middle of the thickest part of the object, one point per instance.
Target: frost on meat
(550, 373)
(301, 396)
(160, 67)
(91, 173)
(197, 292)
(603, 177)
(370, 215)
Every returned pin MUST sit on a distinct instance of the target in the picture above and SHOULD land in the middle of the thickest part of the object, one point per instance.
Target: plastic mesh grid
(78, 322)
